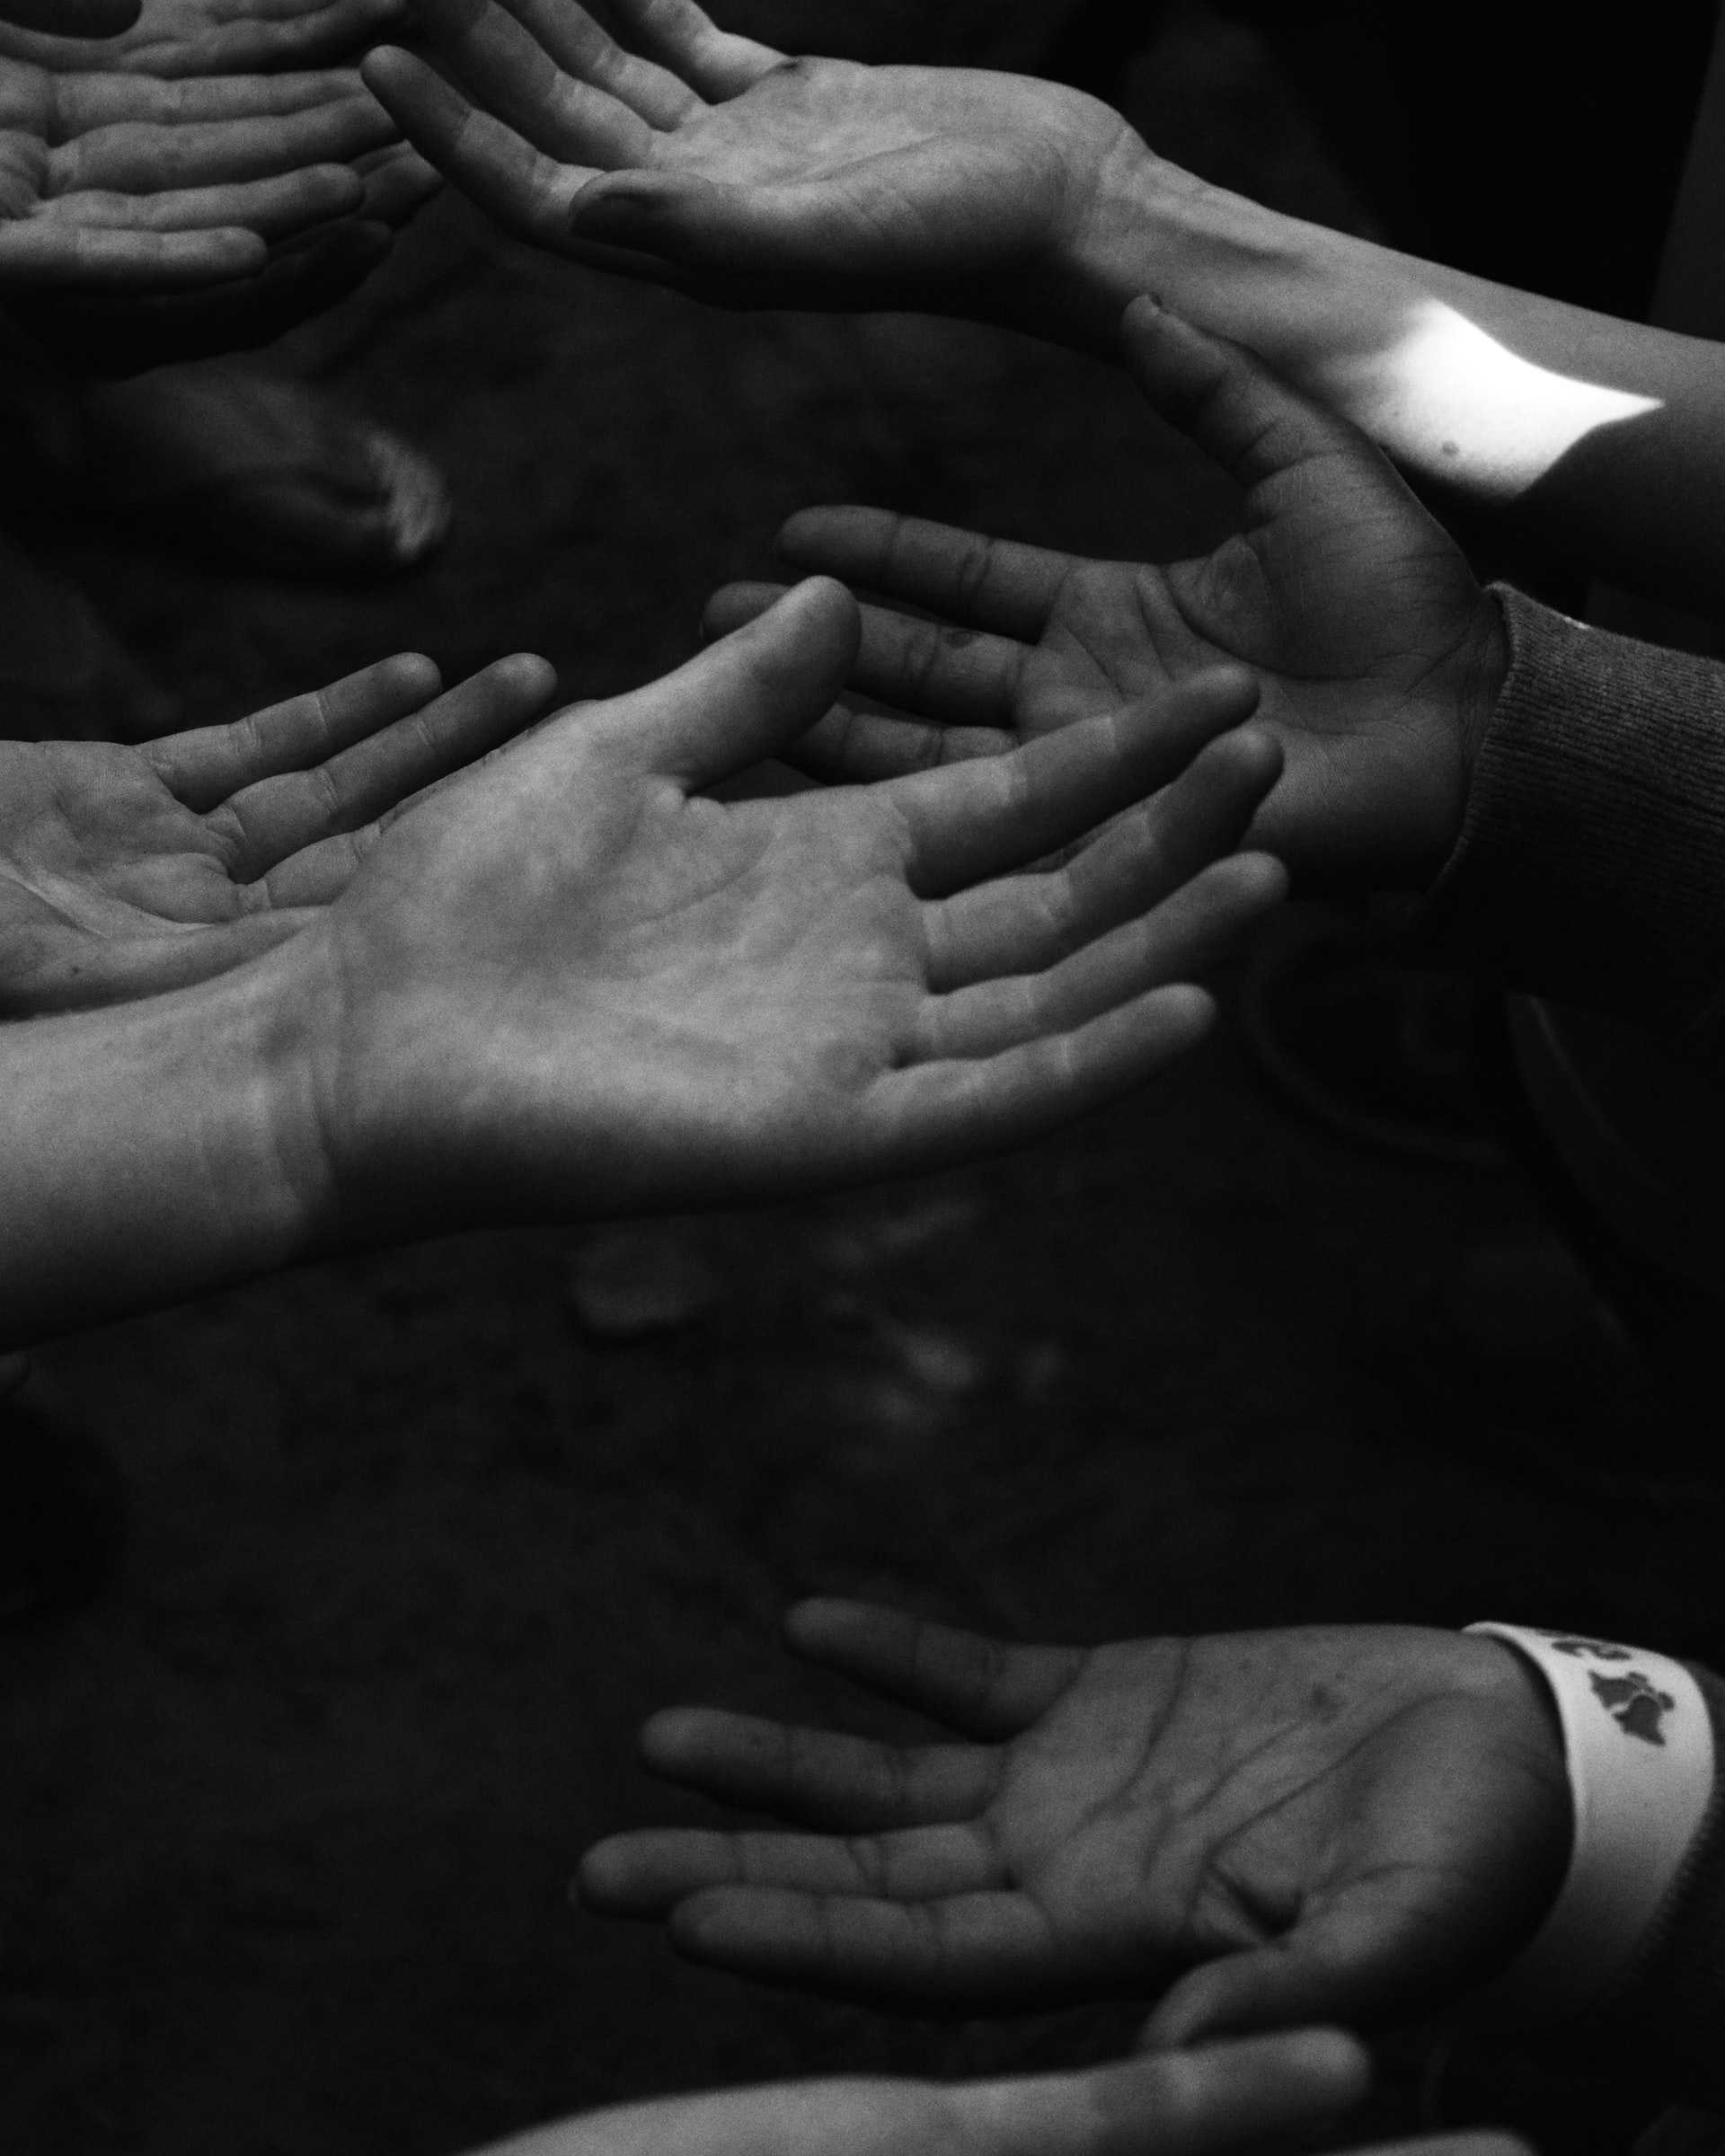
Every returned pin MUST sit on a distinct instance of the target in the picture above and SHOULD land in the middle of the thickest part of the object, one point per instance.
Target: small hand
(711, 163)
(1227, 2099)
(574, 981)
(114, 182)
(169, 38)
(1377, 654)
(124, 872)
(1348, 1824)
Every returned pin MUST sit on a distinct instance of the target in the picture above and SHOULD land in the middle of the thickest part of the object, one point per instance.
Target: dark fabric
(1591, 864)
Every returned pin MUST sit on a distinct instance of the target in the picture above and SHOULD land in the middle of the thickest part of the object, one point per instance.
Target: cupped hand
(169, 38)
(678, 152)
(122, 183)
(575, 981)
(1227, 2099)
(1378, 655)
(1324, 1823)
(124, 872)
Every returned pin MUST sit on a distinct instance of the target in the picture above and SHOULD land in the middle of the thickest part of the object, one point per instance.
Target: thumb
(1226, 400)
(743, 698)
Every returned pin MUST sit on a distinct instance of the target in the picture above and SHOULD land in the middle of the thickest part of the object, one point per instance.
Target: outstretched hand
(123, 184)
(678, 152)
(125, 871)
(1315, 1824)
(1377, 654)
(574, 980)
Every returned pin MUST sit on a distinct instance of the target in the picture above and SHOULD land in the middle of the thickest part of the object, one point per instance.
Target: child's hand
(124, 872)
(1347, 1825)
(684, 154)
(1378, 655)
(575, 981)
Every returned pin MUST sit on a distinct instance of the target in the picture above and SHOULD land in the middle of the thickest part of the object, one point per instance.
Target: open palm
(716, 164)
(1345, 1823)
(114, 182)
(124, 872)
(1373, 646)
(574, 978)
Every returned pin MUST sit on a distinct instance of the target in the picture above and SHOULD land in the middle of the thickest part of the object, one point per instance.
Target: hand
(1224, 2101)
(125, 871)
(119, 183)
(712, 163)
(169, 38)
(574, 982)
(1350, 1824)
(1377, 654)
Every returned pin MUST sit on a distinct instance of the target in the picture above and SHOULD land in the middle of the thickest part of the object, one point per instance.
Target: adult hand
(574, 981)
(124, 872)
(701, 160)
(169, 38)
(1324, 1823)
(1377, 654)
(120, 183)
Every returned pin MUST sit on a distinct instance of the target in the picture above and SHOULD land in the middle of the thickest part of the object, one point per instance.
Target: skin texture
(1354, 1823)
(1378, 655)
(113, 183)
(125, 871)
(703, 160)
(569, 981)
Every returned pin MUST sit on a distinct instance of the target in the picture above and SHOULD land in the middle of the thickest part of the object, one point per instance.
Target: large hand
(708, 162)
(122, 183)
(574, 981)
(1225, 2099)
(1377, 654)
(1331, 1823)
(124, 872)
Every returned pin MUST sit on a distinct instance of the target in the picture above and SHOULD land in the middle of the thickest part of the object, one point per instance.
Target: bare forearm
(1610, 434)
(141, 1159)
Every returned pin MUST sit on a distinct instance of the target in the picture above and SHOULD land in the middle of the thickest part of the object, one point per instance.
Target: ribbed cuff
(1591, 864)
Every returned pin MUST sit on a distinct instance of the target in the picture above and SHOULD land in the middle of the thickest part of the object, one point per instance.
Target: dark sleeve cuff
(1591, 864)
(1669, 2006)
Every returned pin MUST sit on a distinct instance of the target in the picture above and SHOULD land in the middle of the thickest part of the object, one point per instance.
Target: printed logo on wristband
(1639, 1748)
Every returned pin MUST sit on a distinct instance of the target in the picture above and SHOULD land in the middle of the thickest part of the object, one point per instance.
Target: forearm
(1609, 434)
(143, 1158)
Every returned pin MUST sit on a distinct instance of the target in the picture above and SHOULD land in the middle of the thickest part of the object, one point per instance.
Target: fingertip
(1259, 880)
(1251, 755)
(664, 1738)
(387, 68)
(526, 675)
(1185, 1012)
(600, 1878)
(413, 674)
(811, 1625)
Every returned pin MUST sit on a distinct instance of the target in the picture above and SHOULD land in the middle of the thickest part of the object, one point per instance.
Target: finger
(275, 210)
(201, 768)
(580, 48)
(1214, 2102)
(991, 584)
(86, 102)
(397, 182)
(267, 822)
(677, 34)
(1023, 923)
(139, 159)
(955, 1952)
(305, 37)
(993, 814)
(1186, 937)
(647, 1874)
(930, 1114)
(987, 1688)
(818, 1776)
(529, 193)
(846, 747)
(958, 676)
(740, 699)
(1225, 399)
(58, 255)
(508, 72)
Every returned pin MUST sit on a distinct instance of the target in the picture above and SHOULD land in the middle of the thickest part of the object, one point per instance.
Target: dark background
(416, 1540)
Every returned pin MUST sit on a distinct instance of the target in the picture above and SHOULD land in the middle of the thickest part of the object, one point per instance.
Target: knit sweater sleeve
(1591, 863)
(1670, 2005)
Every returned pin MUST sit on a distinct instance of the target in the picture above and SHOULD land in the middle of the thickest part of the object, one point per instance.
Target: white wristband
(1639, 1746)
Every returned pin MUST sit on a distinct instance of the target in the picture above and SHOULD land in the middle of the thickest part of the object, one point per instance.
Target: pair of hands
(1269, 1829)
(679, 153)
